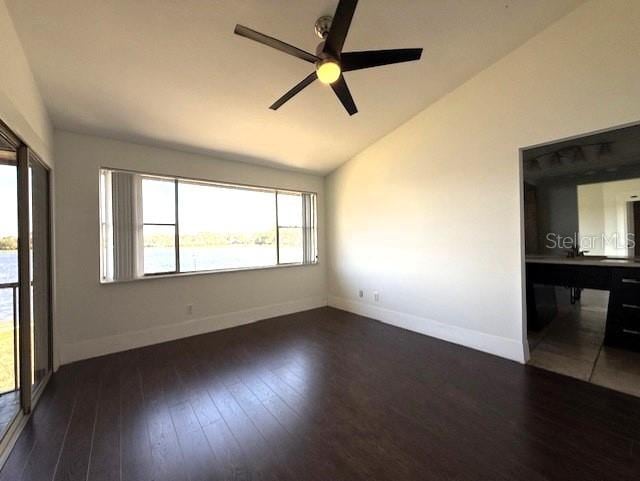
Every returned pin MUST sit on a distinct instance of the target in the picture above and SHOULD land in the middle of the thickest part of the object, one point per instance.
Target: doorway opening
(581, 214)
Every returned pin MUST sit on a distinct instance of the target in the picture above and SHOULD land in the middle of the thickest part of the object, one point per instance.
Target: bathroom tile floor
(572, 344)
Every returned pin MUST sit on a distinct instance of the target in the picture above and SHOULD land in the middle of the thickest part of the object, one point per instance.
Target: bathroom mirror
(582, 197)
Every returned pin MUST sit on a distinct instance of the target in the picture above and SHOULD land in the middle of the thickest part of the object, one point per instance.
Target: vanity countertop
(599, 261)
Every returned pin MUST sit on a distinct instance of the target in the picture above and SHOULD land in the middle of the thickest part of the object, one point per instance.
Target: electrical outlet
(361, 293)
(376, 296)
(189, 309)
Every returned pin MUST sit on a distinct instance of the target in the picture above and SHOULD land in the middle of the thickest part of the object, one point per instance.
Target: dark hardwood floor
(322, 395)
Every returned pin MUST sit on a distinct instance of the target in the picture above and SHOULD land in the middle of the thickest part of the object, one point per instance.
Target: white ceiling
(172, 73)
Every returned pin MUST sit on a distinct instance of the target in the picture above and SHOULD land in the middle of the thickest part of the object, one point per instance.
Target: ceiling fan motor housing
(323, 25)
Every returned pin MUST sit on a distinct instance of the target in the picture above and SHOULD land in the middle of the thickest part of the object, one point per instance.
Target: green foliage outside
(211, 239)
(7, 375)
(288, 236)
(7, 379)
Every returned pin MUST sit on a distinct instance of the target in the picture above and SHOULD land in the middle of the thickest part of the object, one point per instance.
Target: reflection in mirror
(608, 214)
(582, 197)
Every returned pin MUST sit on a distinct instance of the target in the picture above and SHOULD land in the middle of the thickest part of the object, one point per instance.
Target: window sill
(205, 273)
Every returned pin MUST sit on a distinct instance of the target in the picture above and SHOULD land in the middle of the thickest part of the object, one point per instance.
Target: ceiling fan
(330, 61)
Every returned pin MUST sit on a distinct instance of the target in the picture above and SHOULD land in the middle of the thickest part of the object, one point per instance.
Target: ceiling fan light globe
(328, 71)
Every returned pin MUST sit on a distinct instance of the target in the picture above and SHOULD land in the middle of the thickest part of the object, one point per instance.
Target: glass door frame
(9, 138)
(28, 395)
(35, 391)
(24, 278)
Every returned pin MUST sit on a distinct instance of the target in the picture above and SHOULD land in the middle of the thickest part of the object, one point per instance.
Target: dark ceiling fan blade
(340, 27)
(342, 91)
(375, 58)
(274, 43)
(294, 91)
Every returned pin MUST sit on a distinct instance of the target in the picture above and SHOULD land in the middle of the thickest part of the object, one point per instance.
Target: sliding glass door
(25, 279)
(9, 337)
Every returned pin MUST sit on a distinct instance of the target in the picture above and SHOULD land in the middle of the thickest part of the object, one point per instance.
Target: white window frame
(106, 227)
(175, 225)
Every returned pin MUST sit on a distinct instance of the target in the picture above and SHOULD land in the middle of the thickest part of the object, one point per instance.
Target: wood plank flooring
(322, 395)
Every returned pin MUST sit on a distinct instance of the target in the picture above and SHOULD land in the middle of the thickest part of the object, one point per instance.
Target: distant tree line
(202, 239)
(211, 239)
(8, 243)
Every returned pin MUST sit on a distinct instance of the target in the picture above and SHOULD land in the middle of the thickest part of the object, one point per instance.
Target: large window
(155, 225)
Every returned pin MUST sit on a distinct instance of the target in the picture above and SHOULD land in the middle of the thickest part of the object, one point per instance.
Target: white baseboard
(496, 345)
(77, 351)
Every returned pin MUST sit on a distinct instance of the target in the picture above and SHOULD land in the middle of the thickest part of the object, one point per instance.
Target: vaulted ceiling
(172, 73)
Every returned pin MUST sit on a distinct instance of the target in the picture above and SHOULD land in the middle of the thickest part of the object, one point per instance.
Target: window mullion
(305, 227)
(277, 233)
(177, 229)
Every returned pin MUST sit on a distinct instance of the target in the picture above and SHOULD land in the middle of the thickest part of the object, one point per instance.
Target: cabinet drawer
(629, 291)
(630, 318)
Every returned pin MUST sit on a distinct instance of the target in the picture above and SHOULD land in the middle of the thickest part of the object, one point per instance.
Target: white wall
(430, 216)
(94, 319)
(21, 106)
